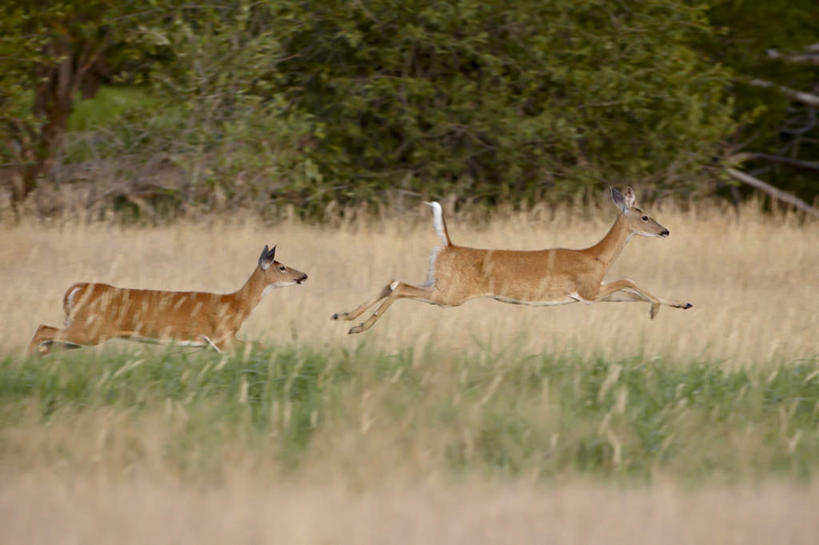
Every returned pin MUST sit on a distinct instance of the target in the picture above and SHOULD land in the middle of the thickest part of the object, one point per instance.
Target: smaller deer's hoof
(687, 306)
(334, 316)
(356, 329)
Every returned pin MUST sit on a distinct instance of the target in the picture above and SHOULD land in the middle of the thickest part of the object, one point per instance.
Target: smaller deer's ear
(630, 197)
(266, 259)
(618, 200)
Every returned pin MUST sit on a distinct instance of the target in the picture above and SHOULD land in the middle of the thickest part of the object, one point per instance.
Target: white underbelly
(564, 301)
(167, 340)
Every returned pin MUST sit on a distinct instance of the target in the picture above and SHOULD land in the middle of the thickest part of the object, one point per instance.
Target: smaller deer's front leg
(631, 292)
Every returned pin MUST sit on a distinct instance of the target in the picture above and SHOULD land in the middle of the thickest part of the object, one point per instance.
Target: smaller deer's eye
(645, 218)
(282, 268)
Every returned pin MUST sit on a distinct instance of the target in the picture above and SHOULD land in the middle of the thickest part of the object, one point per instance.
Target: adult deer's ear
(630, 197)
(618, 200)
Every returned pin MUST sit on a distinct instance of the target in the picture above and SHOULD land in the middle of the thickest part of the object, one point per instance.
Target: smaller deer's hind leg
(353, 314)
(44, 337)
(398, 290)
(75, 335)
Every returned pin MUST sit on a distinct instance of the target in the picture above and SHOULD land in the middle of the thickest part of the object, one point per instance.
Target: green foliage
(110, 106)
(330, 102)
(22, 39)
(536, 415)
(51, 52)
(237, 124)
(212, 107)
(769, 121)
(325, 102)
(497, 101)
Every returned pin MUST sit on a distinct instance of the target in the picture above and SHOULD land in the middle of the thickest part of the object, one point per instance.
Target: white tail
(95, 312)
(439, 222)
(545, 277)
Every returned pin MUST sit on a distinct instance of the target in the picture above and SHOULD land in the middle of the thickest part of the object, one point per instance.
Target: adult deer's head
(638, 222)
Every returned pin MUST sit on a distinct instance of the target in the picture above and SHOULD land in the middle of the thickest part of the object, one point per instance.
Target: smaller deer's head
(278, 275)
(638, 222)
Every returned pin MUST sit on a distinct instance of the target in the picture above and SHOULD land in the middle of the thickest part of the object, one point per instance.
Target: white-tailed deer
(95, 313)
(545, 277)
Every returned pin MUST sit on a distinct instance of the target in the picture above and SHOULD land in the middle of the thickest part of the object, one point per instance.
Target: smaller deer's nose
(664, 233)
(302, 278)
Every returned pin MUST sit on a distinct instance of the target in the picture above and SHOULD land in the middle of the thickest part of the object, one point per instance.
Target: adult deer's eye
(645, 218)
(282, 268)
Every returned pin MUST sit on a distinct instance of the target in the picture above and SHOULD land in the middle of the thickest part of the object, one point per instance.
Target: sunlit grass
(727, 388)
(753, 282)
(698, 426)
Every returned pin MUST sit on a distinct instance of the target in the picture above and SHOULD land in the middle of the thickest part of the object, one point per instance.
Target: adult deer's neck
(609, 248)
(248, 296)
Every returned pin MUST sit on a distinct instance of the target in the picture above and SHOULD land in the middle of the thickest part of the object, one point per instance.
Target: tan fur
(97, 312)
(545, 277)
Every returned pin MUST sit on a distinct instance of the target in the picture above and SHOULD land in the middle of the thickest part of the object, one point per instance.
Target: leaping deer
(556, 276)
(95, 312)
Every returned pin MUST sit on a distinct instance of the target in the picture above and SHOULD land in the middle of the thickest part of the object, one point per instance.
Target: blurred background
(162, 143)
(152, 110)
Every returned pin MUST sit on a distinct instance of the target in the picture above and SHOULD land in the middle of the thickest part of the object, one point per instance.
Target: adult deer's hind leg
(353, 314)
(398, 290)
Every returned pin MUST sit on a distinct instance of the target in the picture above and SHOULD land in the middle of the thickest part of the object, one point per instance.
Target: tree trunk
(53, 102)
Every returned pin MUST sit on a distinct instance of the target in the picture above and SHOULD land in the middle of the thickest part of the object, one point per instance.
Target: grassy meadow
(476, 424)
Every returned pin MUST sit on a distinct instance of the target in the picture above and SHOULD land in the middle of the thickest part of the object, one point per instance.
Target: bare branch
(799, 96)
(777, 194)
(748, 156)
(806, 58)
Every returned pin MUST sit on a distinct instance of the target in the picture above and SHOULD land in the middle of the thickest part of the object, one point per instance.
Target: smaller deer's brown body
(97, 312)
(545, 277)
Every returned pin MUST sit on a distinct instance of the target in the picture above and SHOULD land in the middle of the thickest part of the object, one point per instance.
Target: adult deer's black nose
(301, 278)
(664, 233)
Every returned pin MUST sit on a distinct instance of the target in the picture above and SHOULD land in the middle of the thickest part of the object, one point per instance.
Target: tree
(772, 49)
(498, 101)
(50, 52)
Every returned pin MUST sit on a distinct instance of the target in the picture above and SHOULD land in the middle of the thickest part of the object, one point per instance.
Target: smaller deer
(95, 313)
(555, 276)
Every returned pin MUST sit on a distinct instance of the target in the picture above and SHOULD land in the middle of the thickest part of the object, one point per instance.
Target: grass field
(475, 424)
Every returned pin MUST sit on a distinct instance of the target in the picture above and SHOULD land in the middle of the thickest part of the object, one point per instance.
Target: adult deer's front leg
(629, 291)
(398, 290)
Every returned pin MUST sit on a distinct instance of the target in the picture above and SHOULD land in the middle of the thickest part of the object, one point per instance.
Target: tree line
(322, 103)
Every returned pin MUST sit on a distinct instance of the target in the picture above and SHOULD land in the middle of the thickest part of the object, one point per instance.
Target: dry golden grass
(753, 282)
(34, 510)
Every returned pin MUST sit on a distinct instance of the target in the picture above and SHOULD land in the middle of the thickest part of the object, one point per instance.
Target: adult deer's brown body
(546, 277)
